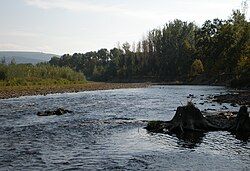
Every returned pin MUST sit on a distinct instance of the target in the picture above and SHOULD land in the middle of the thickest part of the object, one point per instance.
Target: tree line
(179, 51)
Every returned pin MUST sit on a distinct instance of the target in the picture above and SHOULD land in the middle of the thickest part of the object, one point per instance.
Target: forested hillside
(24, 57)
(216, 52)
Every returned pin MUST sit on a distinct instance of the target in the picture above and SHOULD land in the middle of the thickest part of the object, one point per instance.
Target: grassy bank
(25, 79)
(17, 91)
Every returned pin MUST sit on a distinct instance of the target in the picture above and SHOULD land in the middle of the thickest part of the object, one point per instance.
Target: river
(106, 132)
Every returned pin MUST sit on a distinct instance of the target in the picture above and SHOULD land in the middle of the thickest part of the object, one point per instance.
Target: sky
(79, 26)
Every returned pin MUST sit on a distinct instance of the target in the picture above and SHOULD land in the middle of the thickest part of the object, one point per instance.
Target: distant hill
(26, 57)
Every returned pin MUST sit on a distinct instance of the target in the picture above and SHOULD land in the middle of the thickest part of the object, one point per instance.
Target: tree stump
(242, 121)
(190, 118)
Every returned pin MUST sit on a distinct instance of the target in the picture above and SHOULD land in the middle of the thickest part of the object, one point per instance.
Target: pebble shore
(17, 91)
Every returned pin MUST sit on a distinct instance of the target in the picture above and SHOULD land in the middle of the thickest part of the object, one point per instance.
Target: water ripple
(106, 132)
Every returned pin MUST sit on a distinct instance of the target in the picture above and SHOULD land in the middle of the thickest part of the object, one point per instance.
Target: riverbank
(17, 91)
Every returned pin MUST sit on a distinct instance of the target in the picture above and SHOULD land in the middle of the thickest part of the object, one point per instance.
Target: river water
(106, 132)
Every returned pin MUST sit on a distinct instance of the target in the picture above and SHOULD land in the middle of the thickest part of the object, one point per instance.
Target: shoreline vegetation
(26, 79)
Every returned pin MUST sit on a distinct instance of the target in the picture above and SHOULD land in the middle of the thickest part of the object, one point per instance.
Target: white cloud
(192, 10)
(79, 6)
(72, 5)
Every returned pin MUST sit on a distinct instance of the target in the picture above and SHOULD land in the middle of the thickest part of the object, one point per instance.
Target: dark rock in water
(242, 123)
(240, 98)
(224, 107)
(59, 111)
(157, 126)
(190, 118)
(190, 96)
(233, 104)
(224, 121)
(210, 109)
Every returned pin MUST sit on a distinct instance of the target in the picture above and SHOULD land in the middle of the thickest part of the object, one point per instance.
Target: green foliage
(243, 67)
(27, 74)
(98, 72)
(196, 68)
(3, 72)
(3, 60)
(243, 73)
(222, 43)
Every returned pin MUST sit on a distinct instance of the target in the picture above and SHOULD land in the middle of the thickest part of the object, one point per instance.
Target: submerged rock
(59, 111)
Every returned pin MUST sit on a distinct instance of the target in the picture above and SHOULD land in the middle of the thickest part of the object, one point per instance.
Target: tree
(196, 68)
(126, 47)
(243, 67)
(13, 61)
(3, 61)
(55, 61)
(103, 56)
(3, 72)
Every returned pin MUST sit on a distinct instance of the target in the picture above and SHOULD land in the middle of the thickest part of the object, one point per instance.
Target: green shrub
(26, 74)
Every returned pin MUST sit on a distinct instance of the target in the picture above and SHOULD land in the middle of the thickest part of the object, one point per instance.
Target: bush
(26, 74)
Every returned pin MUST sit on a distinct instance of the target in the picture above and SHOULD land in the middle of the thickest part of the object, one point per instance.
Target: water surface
(106, 132)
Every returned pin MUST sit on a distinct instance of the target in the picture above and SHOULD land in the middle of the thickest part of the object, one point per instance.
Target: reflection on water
(243, 136)
(190, 139)
(106, 132)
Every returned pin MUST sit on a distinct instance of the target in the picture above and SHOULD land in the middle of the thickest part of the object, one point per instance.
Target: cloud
(19, 33)
(79, 6)
(72, 5)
